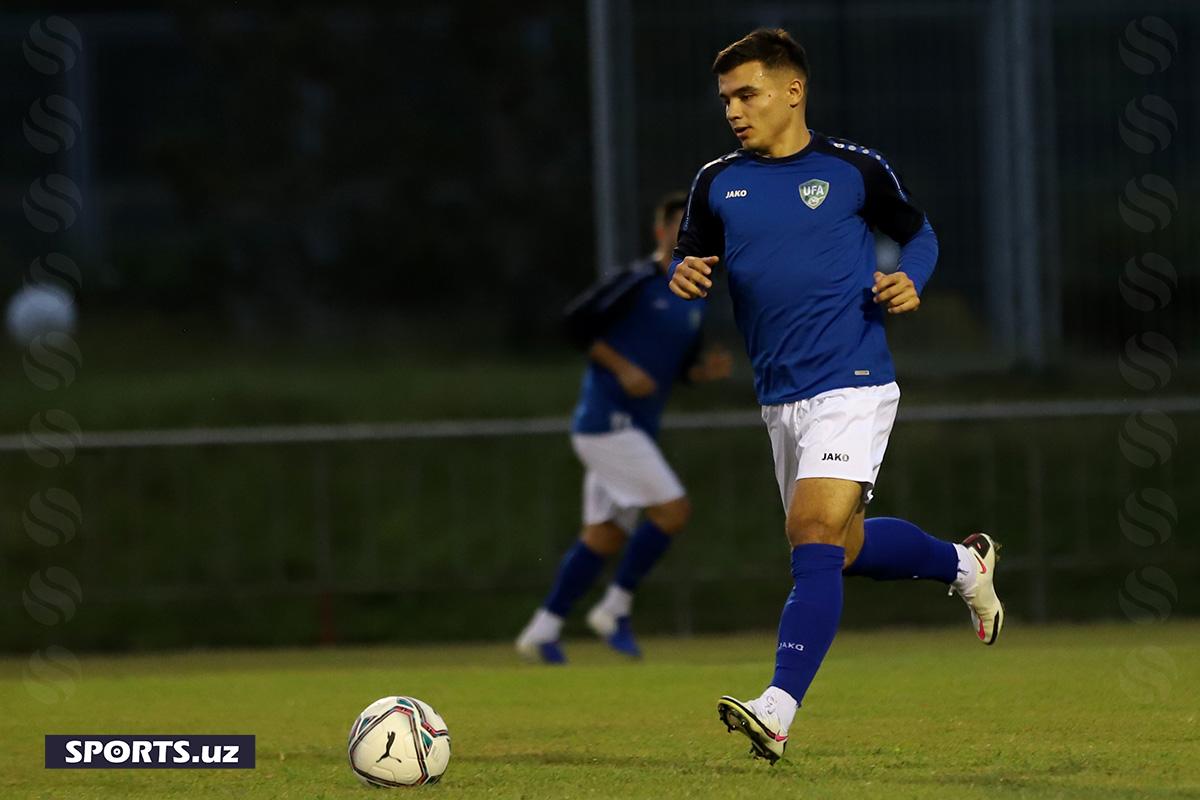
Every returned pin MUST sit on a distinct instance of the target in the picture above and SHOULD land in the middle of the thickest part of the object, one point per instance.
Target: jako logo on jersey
(737, 193)
(835, 457)
(814, 192)
(790, 646)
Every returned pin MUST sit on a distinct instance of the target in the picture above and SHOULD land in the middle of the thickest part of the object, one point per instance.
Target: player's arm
(889, 208)
(714, 364)
(633, 379)
(701, 239)
(589, 315)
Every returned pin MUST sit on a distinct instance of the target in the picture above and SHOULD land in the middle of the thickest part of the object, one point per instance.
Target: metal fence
(453, 530)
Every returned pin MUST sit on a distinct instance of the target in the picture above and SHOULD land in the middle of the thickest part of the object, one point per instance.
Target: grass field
(1082, 712)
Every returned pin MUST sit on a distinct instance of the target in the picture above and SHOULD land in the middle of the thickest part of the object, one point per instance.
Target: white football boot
(539, 641)
(768, 737)
(987, 613)
(615, 631)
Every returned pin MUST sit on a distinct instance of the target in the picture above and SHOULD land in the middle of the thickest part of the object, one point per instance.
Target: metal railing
(321, 526)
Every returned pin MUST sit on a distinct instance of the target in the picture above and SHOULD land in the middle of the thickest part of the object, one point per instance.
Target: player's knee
(809, 530)
(672, 517)
(605, 538)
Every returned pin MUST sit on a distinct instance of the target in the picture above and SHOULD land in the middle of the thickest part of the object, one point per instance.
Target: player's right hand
(636, 381)
(692, 277)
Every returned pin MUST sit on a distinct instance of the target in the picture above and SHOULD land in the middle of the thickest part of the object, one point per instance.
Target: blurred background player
(790, 214)
(640, 339)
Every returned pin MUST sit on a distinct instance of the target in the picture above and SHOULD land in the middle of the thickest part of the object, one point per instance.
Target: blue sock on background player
(810, 616)
(895, 549)
(645, 548)
(576, 574)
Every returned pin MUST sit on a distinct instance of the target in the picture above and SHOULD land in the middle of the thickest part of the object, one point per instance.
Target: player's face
(759, 103)
(668, 233)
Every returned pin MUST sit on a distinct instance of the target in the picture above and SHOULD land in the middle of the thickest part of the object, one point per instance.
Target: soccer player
(641, 338)
(788, 219)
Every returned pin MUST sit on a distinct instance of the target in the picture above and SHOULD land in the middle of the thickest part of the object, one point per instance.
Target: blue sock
(810, 616)
(645, 548)
(576, 574)
(896, 550)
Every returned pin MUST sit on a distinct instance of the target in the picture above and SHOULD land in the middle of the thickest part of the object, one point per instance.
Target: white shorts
(842, 433)
(626, 472)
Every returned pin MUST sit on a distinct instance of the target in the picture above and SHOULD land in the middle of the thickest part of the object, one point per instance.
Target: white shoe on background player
(616, 631)
(539, 641)
(987, 612)
(767, 734)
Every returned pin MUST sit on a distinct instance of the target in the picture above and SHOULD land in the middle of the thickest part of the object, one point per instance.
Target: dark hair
(668, 204)
(773, 47)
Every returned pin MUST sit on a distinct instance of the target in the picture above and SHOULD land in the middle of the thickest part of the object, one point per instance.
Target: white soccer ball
(38, 309)
(399, 741)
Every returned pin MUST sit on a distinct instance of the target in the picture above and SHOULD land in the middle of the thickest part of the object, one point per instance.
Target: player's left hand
(896, 292)
(715, 365)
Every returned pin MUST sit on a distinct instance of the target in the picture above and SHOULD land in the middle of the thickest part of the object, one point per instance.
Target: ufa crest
(814, 192)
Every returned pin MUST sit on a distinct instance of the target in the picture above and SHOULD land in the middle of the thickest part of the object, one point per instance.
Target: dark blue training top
(655, 330)
(794, 236)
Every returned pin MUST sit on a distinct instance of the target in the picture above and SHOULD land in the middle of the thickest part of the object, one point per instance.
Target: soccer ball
(399, 741)
(37, 310)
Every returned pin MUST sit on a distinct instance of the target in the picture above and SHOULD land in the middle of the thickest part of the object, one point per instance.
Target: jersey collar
(799, 154)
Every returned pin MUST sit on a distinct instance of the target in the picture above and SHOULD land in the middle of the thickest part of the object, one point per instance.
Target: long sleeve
(701, 233)
(889, 208)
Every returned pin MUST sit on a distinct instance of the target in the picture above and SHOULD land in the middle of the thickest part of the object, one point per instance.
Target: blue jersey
(794, 237)
(654, 329)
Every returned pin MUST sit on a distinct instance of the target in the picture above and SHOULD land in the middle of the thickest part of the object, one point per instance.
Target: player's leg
(894, 549)
(824, 464)
(644, 478)
(818, 521)
(611, 617)
(891, 549)
(577, 572)
(605, 526)
(817, 524)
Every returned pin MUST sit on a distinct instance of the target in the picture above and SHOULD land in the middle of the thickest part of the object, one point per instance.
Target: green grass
(1049, 712)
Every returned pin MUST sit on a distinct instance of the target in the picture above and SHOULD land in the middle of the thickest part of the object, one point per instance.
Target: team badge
(814, 192)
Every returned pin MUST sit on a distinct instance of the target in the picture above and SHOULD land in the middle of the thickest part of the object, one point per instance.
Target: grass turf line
(1049, 712)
